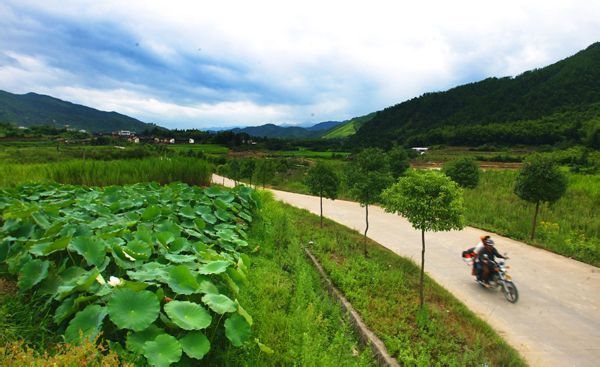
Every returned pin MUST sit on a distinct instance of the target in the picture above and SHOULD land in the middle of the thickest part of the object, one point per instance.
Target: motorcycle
(498, 277)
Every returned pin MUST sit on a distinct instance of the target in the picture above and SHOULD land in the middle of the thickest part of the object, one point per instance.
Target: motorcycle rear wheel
(510, 291)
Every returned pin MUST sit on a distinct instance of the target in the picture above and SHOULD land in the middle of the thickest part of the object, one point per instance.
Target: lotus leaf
(195, 344)
(187, 212)
(149, 272)
(214, 267)
(209, 218)
(182, 281)
(86, 324)
(135, 310)
(136, 340)
(92, 249)
(165, 238)
(237, 330)
(32, 273)
(188, 315)
(163, 350)
(47, 248)
(151, 213)
(138, 249)
(219, 303)
(180, 259)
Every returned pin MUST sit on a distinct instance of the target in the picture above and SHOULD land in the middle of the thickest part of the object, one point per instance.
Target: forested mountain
(554, 104)
(35, 109)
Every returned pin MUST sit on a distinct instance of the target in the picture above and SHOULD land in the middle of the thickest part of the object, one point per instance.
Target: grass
(569, 227)
(44, 152)
(306, 153)
(293, 314)
(103, 173)
(205, 148)
(384, 289)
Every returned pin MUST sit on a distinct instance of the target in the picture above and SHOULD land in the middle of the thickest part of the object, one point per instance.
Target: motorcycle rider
(487, 253)
(477, 265)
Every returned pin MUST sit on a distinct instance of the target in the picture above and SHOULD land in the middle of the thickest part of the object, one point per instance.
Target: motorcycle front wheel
(510, 292)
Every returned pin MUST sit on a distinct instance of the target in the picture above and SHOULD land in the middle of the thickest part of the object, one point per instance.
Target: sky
(220, 64)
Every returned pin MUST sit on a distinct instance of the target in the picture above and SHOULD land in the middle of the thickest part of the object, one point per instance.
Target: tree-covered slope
(34, 109)
(569, 88)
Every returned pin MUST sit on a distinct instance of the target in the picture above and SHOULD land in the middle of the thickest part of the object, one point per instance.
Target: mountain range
(559, 103)
(36, 109)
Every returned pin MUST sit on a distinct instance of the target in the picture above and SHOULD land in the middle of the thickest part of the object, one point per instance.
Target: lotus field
(153, 269)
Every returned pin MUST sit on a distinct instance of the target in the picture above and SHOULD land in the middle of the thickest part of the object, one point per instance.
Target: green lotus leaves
(92, 249)
(182, 281)
(154, 259)
(136, 340)
(195, 344)
(133, 310)
(219, 303)
(163, 351)
(214, 267)
(151, 213)
(237, 330)
(188, 315)
(32, 273)
(86, 324)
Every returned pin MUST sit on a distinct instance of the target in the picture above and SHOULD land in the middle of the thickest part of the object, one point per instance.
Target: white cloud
(323, 59)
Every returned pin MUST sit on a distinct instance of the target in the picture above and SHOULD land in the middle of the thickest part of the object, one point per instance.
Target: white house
(421, 150)
(191, 141)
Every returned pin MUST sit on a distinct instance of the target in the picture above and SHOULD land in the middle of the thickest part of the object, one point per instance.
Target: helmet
(489, 242)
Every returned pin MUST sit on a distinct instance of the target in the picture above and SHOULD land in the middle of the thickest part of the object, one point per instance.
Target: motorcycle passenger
(477, 266)
(488, 253)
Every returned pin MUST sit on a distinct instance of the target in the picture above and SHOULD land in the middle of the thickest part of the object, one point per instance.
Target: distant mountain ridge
(544, 106)
(37, 109)
(288, 132)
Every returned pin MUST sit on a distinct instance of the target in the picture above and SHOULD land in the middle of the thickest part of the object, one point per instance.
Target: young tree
(323, 181)
(264, 169)
(235, 170)
(540, 180)
(398, 161)
(223, 171)
(430, 201)
(248, 166)
(366, 176)
(463, 171)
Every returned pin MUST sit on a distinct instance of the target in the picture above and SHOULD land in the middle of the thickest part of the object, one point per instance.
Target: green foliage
(398, 161)
(463, 171)
(368, 175)
(500, 110)
(264, 171)
(429, 200)
(540, 180)
(323, 181)
(127, 252)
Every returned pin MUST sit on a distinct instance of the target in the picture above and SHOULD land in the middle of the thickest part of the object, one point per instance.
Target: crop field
(44, 152)
(305, 153)
(101, 173)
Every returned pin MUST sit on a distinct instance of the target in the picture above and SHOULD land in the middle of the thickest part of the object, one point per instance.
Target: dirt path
(557, 319)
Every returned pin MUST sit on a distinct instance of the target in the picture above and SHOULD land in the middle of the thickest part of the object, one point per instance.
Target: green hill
(35, 109)
(348, 128)
(555, 104)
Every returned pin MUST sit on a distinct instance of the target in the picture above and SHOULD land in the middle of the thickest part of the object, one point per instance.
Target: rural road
(556, 321)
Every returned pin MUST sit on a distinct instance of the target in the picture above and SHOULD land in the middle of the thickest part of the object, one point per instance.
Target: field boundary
(366, 335)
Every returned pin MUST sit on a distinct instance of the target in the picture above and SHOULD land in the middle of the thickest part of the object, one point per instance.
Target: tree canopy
(463, 171)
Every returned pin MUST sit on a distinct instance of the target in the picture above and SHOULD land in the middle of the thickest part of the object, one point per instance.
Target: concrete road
(556, 321)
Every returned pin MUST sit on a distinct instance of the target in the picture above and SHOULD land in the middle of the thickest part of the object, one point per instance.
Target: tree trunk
(422, 267)
(321, 196)
(537, 208)
(366, 229)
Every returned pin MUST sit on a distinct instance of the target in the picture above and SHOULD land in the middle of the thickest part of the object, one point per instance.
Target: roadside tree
(430, 201)
(263, 171)
(540, 180)
(367, 176)
(463, 171)
(323, 181)
(398, 161)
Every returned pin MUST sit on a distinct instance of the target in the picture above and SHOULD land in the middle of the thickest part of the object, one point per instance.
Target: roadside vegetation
(384, 288)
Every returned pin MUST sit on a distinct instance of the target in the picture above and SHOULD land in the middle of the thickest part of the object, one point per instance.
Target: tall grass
(104, 173)
(569, 227)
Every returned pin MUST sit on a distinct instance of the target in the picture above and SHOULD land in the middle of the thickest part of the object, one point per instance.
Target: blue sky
(193, 64)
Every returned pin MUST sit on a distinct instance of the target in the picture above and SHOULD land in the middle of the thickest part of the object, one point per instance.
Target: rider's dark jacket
(491, 253)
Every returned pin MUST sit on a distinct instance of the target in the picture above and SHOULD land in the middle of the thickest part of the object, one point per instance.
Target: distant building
(421, 150)
(191, 141)
(124, 133)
